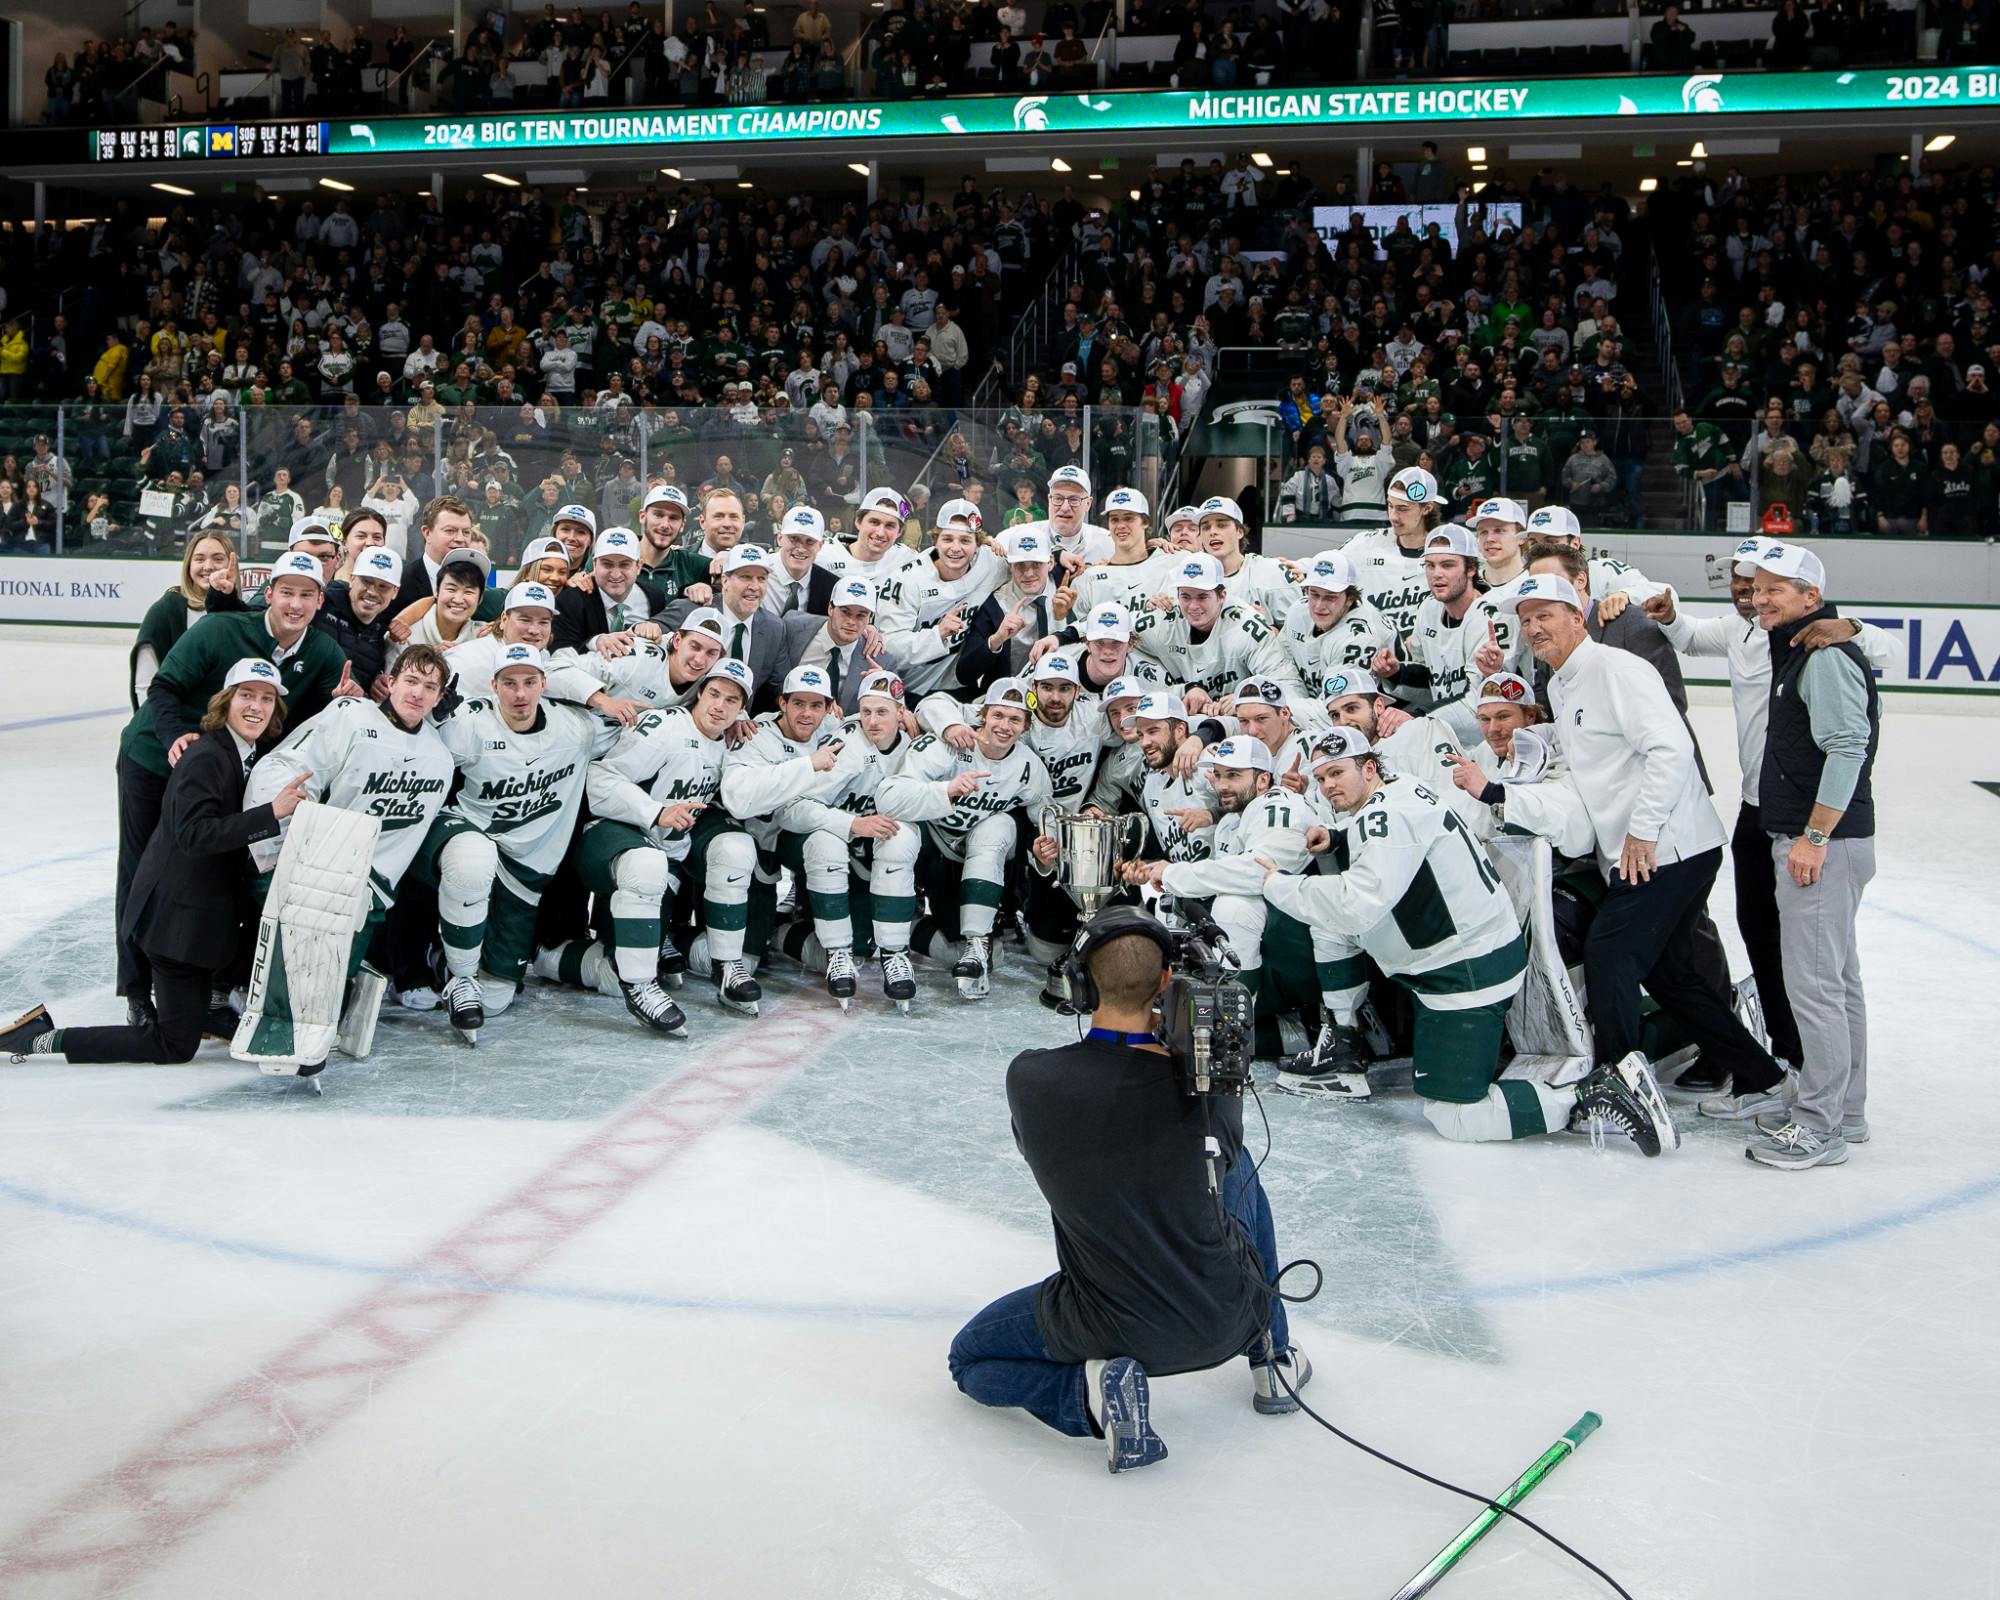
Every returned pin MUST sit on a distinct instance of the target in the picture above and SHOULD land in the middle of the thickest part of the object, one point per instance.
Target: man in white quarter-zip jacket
(1747, 647)
(1659, 841)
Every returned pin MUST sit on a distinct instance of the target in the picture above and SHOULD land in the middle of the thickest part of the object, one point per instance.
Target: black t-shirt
(1147, 1267)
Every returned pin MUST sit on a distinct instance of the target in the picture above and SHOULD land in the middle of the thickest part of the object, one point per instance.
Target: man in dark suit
(446, 525)
(798, 582)
(838, 643)
(750, 634)
(618, 598)
(190, 895)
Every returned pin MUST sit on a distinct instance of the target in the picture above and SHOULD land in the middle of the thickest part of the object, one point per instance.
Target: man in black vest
(1818, 808)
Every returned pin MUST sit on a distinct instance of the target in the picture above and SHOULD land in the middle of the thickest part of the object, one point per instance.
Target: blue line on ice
(67, 717)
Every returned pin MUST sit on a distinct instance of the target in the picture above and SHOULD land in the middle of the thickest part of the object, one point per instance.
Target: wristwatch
(1816, 839)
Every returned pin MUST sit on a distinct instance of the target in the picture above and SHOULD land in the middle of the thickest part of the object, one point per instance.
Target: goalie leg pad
(318, 901)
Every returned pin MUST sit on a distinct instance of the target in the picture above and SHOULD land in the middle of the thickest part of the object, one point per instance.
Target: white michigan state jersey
(1420, 896)
(662, 760)
(1240, 645)
(1070, 753)
(640, 674)
(848, 790)
(1349, 644)
(910, 603)
(1420, 751)
(1445, 647)
(842, 562)
(1390, 578)
(1271, 828)
(1129, 585)
(522, 790)
(1161, 793)
(1263, 584)
(770, 768)
(916, 791)
(360, 760)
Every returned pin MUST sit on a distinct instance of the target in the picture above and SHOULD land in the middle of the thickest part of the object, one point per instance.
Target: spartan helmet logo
(1031, 113)
(1702, 92)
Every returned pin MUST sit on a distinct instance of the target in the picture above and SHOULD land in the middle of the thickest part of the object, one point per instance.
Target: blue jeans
(999, 1359)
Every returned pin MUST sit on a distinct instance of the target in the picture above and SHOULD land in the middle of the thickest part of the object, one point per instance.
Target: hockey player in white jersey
(1264, 709)
(1265, 584)
(494, 849)
(1434, 661)
(1257, 822)
(924, 610)
(844, 850)
(1206, 643)
(967, 801)
(878, 552)
(1180, 810)
(1134, 575)
(653, 675)
(1389, 562)
(1425, 748)
(527, 616)
(1076, 541)
(646, 794)
(1182, 531)
(1499, 526)
(1419, 897)
(1607, 576)
(1332, 628)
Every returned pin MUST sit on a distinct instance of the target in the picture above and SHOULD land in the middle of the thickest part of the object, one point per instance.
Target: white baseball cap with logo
(1505, 689)
(1024, 544)
(521, 655)
(1126, 689)
(890, 501)
(380, 563)
(1355, 680)
(1126, 500)
(1329, 570)
(1073, 476)
(1541, 586)
(1220, 505)
(743, 556)
(703, 619)
(1108, 621)
(735, 672)
(808, 680)
(1057, 665)
(1340, 744)
(545, 548)
(961, 514)
(527, 596)
(1197, 571)
(1006, 692)
(1500, 509)
(664, 494)
(582, 514)
(1162, 705)
(1558, 521)
(852, 592)
(254, 669)
(1182, 514)
(310, 530)
(1415, 485)
(297, 564)
(1783, 559)
(1241, 753)
(1451, 539)
(803, 522)
(880, 685)
(616, 542)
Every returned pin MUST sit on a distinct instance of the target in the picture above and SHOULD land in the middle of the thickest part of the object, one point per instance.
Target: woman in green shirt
(207, 565)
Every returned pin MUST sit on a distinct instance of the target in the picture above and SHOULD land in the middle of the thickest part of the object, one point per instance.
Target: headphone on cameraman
(1113, 922)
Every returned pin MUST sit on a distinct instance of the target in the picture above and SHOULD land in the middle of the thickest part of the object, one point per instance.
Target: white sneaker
(1269, 1395)
(424, 998)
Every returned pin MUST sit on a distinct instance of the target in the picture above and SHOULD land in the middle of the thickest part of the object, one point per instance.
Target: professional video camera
(1206, 1017)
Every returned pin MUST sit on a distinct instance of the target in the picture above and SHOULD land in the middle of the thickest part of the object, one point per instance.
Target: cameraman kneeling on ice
(1152, 1278)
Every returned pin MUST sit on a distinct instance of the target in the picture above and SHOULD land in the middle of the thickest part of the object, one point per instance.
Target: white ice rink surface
(586, 1313)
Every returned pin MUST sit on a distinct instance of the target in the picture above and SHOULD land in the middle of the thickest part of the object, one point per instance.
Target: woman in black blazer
(189, 896)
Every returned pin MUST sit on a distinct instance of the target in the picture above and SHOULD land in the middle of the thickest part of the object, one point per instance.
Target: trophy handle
(1050, 811)
(1131, 833)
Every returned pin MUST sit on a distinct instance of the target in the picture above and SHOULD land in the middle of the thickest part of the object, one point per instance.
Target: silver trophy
(1089, 852)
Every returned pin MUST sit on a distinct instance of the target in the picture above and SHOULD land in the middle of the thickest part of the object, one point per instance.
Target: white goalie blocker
(318, 901)
(1546, 1023)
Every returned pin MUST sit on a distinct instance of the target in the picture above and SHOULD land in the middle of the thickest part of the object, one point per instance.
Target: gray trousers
(1823, 979)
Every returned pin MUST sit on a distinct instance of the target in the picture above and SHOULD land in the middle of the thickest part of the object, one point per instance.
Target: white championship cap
(1451, 539)
(1220, 505)
(807, 680)
(803, 522)
(1126, 689)
(543, 548)
(1126, 500)
(1505, 689)
(296, 564)
(1783, 560)
(1073, 476)
(888, 500)
(1557, 521)
(521, 655)
(380, 563)
(254, 669)
(1182, 514)
(735, 672)
(1265, 691)
(852, 592)
(308, 528)
(1197, 571)
(1056, 664)
(962, 514)
(616, 542)
(881, 686)
(742, 556)
(1162, 705)
(1500, 509)
(1329, 570)
(1108, 621)
(664, 494)
(1540, 586)
(1415, 485)
(582, 514)
(1355, 680)
(1024, 544)
(526, 596)
(1242, 753)
(1007, 692)
(464, 556)
(703, 619)
(1340, 744)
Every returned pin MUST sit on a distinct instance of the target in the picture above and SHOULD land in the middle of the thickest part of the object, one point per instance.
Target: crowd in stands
(106, 79)
(1839, 343)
